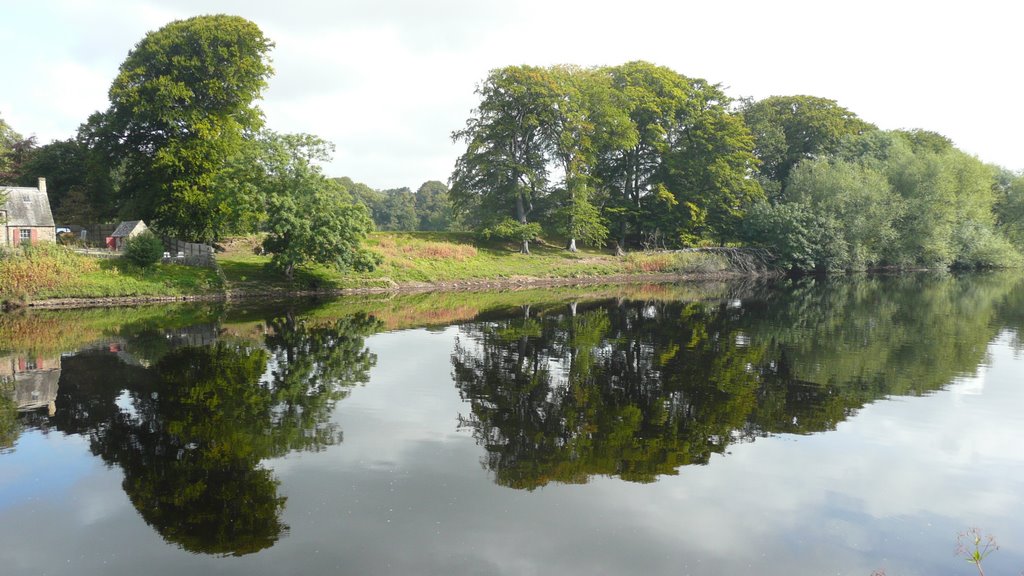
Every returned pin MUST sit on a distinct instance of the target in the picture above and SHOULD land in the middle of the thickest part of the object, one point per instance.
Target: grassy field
(49, 271)
(408, 259)
(411, 258)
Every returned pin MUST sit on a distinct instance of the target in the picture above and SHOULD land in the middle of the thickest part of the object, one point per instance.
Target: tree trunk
(572, 245)
(521, 216)
(618, 249)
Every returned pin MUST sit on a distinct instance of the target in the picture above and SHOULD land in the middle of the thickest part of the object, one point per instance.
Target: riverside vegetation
(406, 259)
(610, 158)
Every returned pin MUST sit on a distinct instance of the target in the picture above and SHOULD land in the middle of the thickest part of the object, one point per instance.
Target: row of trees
(635, 155)
(428, 209)
(648, 157)
(636, 150)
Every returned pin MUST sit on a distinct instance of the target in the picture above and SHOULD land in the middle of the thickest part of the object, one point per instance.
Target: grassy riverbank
(426, 259)
(48, 271)
(409, 260)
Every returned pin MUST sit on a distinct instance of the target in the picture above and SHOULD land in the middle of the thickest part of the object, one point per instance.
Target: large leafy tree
(433, 208)
(788, 129)
(312, 218)
(181, 106)
(709, 168)
(14, 150)
(504, 168)
(633, 169)
(585, 118)
(682, 172)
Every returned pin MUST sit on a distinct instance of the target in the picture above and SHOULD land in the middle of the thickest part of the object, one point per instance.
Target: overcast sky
(387, 81)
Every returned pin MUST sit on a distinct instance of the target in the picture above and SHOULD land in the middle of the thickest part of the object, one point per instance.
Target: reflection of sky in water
(41, 467)
(405, 493)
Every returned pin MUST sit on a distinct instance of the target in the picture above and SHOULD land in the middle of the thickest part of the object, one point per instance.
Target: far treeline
(635, 156)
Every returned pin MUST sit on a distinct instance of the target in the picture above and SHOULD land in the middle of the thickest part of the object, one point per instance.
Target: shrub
(144, 250)
(509, 229)
(32, 269)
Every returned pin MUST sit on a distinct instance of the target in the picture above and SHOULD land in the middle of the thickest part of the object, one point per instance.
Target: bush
(42, 267)
(509, 229)
(144, 250)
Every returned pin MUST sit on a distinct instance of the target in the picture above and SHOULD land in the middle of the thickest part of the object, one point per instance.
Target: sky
(388, 81)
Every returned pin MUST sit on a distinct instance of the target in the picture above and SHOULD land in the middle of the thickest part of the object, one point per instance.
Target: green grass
(117, 277)
(50, 271)
(409, 258)
(430, 257)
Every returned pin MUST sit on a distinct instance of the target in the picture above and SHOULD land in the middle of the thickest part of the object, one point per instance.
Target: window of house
(25, 235)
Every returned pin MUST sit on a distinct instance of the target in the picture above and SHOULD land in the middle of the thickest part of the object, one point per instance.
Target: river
(800, 426)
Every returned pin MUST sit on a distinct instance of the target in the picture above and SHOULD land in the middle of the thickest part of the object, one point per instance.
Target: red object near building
(111, 243)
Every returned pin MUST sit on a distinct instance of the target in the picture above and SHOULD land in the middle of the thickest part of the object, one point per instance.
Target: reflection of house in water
(35, 380)
(145, 347)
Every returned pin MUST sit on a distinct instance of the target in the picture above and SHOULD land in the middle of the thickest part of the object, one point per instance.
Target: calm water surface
(797, 428)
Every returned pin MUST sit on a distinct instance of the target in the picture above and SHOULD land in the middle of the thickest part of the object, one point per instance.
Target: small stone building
(124, 231)
(35, 380)
(25, 216)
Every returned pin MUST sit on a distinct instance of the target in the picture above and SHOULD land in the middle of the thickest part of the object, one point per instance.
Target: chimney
(42, 185)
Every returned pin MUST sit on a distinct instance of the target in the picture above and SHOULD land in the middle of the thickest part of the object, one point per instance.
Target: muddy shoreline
(472, 285)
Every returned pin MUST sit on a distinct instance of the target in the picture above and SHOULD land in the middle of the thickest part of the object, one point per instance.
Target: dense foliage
(651, 158)
(628, 156)
(637, 149)
(181, 106)
(144, 249)
(310, 218)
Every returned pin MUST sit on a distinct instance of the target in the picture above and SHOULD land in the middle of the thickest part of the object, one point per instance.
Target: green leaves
(181, 106)
(788, 129)
(638, 145)
(144, 250)
(314, 220)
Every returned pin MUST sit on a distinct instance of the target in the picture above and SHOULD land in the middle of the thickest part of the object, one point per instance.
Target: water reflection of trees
(190, 432)
(639, 389)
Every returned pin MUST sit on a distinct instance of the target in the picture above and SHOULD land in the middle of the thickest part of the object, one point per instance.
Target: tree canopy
(657, 155)
(311, 218)
(788, 129)
(181, 107)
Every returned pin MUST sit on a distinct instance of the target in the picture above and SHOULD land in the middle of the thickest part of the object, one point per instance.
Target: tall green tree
(633, 169)
(709, 168)
(584, 119)
(433, 208)
(181, 106)
(788, 129)
(682, 173)
(14, 151)
(313, 219)
(504, 168)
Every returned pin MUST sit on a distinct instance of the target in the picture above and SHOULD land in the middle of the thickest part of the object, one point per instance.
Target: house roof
(26, 207)
(124, 229)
